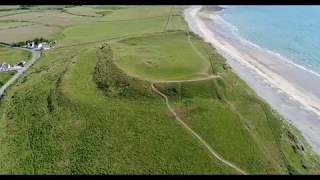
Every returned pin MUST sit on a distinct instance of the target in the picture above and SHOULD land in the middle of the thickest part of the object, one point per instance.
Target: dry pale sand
(290, 89)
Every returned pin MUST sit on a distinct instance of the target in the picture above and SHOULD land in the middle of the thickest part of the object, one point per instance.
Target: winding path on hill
(35, 57)
(212, 152)
(215, 154)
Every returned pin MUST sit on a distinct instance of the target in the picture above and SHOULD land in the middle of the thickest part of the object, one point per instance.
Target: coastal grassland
(137, 12)
(80, 111)
(55, 22)
(11, 56)
(56, 18)
(57, 120)
(85, 33)
(237, 123)
(293, 143)
(125, 120)
(162, 56)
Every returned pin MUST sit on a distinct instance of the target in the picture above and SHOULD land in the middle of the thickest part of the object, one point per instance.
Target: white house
(31, 45)
(39, 46)
(46, 46)
(8, 67)
(5, 67)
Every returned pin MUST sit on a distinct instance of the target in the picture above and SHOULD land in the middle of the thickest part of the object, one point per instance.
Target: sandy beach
(290, 89)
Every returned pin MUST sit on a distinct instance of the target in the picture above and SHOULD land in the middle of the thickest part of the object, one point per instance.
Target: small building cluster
(38, 46)
(4, 67)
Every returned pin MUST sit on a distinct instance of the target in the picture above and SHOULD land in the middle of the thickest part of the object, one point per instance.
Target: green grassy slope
(78, 110)
(231, 118)
(107, 30)
(70, 126)
(11, 56)
(156, 57)
(5, 76)
(86, 11)
(137, 12)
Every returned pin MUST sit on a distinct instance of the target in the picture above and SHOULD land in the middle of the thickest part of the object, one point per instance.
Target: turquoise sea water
(291, 31)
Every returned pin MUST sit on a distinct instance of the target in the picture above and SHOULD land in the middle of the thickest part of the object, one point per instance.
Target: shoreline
(286, 87)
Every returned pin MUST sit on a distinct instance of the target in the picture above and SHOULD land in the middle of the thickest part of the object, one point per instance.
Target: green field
(109, 30)
(138, 12)
(11, 56)
(155, 57)
(72, 127)
(4, 77)
(87, 11)
(12, 24)
(87, 107)
(24, 33)
(76, 22)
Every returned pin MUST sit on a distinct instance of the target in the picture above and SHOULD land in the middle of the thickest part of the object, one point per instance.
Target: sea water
(291, 31)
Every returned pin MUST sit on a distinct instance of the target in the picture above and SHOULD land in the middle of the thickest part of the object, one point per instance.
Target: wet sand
(290, 89)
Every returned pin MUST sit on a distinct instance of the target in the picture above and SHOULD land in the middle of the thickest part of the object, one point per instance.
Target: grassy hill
(155, 57)
(87, 107)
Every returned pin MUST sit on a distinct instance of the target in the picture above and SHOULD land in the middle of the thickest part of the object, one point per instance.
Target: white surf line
(215, 154)
(274, 79)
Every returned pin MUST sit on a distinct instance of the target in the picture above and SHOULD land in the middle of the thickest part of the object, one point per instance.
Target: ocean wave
(235, 32)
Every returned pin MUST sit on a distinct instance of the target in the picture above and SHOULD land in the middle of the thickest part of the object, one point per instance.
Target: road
(35, 57)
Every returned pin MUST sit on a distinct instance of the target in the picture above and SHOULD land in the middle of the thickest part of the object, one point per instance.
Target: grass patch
(26, 33)
(12, 24)
(106, 30)
(86, 11)
(137, 12)
(11, 56)
(55, 18)
(4, 77)
(12, 12)
(155, 57)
